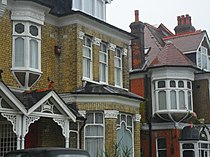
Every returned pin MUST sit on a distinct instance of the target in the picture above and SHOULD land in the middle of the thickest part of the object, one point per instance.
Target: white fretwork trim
(137, 118)
(47, 106)
(125, 51)
(96, 41)
(111, 113)
(112, 47)
(29, 121)
(83, 113)
(3, 5)
(12, 118)
(61, 122)
(81, 35)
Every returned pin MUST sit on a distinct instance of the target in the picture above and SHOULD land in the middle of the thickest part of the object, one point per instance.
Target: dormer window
(26, 65)
(94, 8)
(202, 58)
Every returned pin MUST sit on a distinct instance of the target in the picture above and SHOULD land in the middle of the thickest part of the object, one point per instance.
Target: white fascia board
(27, 11)
(102, 98)
(172, 73)
(13, 98)
(61, 104)
(89, 23)
(163, 126)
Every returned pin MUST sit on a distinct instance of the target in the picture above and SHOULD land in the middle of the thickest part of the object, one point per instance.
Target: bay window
(87, 58)
(94, 133)
(103, 63)
(26, 65)
(173, 95)
(118, 67)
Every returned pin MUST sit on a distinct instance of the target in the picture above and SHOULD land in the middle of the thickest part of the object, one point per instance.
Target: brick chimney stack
(137, 44)
(184, 25)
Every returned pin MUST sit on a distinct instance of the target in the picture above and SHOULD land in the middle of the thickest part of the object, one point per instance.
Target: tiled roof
(92, 88)
(170, 56)
(186, 42)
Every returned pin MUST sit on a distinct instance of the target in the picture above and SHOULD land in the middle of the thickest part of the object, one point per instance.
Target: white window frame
(95, 11)
(90, 59)
(103, 65)
(202, 55)
(27, 37)
(167, 89)
(95, 136)
(118, 68)
(161, 149)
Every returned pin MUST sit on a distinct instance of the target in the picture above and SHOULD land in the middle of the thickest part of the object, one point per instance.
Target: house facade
(171, 71)
(65, 78)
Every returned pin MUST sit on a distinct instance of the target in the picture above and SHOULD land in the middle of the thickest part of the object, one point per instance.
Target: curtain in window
(124, 140)
(19, 52)
(162, 100)
(173, 99)
(94, 140)
(86, 63)
(34, 54)
(181, 100)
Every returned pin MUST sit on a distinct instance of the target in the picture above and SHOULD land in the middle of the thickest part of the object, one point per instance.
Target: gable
(8, 101)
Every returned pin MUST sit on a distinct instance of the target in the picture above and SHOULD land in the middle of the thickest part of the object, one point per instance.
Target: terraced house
(172, 72)
(65, 78)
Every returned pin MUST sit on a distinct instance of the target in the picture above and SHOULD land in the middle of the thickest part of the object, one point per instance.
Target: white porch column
(26, 122)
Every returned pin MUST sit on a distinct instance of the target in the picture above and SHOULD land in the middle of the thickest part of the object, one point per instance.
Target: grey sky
(120, 13)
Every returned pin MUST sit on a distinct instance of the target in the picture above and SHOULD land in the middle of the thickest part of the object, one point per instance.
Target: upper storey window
(173, 95)
(118, 67)
(26, 65)
(202, 58)
(87, 58)
(95, 8)
(103, 63)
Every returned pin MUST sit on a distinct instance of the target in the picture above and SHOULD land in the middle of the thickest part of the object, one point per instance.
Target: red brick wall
(137, 86)
(172, 138)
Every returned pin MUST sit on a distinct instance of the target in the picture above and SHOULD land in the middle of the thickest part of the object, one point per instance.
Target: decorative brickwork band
(96, 41)
(111, 113)
(137, 118)
(112, 47)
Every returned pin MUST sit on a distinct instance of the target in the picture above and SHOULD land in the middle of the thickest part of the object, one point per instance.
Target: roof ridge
(182, 35)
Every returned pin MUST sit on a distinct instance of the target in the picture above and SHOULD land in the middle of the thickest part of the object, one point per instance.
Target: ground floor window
(125, 135)
(8, 139)
(94, 133)
(161, 147)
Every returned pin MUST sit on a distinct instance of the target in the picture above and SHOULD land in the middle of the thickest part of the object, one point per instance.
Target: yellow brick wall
(6, 49)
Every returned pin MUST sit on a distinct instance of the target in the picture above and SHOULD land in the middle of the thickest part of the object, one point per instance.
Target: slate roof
(92, 88)
(187, 42)
(171, 56)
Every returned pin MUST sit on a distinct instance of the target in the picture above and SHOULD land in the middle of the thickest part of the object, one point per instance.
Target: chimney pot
(136, 15)
(182, 20)
(178, 20)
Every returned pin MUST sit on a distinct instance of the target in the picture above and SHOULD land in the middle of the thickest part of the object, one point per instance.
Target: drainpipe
(80, 133)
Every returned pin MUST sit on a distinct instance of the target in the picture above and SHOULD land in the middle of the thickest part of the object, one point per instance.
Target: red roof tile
(170, 56)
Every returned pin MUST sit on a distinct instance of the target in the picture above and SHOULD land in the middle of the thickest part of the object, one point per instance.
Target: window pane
(86, 67)
(19, 52)
(102, 72)
(34, 54)
(173, 99)
(181, 100)
(172, 84)
(90, 118)
(188, 85)
(161, 143)
(161, 84)
(100, 9)
(189, 100)
(162, 100)
(94, 130)
(99, 118)
(88, 6)
(94, 146)
(188, 153)
(181, 84)
(118, 74)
